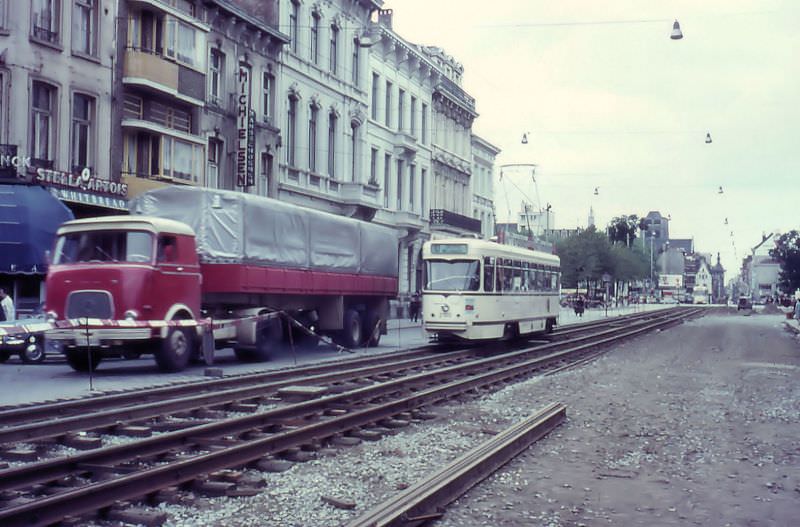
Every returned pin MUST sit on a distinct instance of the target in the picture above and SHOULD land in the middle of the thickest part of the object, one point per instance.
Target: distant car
(744, 303)
(670, 300)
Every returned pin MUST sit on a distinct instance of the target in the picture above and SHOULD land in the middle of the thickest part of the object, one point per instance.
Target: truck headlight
(131, 315)
(51, 316)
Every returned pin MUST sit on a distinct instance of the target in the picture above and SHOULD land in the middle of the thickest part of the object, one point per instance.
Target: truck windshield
(104, 246)
(452, 275)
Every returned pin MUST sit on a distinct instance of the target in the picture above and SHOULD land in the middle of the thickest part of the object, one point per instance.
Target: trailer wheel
(351, 331)
(268, 337)
(372, 334)
(81, 360)
(175, 350)
(33, 353)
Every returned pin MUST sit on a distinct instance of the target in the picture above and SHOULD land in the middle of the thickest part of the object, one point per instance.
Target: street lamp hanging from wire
(677, 34)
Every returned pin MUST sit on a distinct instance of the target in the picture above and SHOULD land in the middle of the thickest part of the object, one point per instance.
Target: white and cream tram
(477, 289)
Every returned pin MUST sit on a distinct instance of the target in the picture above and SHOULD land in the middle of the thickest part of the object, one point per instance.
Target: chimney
(385, 18)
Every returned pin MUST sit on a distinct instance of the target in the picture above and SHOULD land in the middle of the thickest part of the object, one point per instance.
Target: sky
(609, 101)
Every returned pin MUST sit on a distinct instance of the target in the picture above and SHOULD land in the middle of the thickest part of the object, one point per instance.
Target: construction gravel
(696, 425)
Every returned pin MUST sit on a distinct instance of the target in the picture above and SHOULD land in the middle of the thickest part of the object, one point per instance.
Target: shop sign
(245, 124)
(85, 198)
(83, 181)
(670, 280)
(11, 162)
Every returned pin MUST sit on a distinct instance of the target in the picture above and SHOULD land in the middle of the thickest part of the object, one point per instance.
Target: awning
(29, 218)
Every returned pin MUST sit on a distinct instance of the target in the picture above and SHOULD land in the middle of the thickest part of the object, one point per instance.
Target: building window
(3, 102)
(356, 58)
(387, 175)
(268, 95)
(216, 72)
(181, 159)
(355, 150)
(266, 174)
(42, 137)
(313, 111)
(82, 133)
(399, 200)
(184, 6)
(46, 20)
(294, 14)
(186, 44)
(373, 166)
(412, 175)
(412, 122)
(424, 123)
(423, 176)
(334, 65)
(332, 125)
(374, 100)
(3, 14)
(215, 160)
(291, 131)
(388, 116)
(84, 27)
(315, 38)
(401, 103)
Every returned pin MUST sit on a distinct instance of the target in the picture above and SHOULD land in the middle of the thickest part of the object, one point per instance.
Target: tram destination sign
(449, 248)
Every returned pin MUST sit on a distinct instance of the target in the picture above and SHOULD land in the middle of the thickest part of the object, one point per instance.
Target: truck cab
(121, 268)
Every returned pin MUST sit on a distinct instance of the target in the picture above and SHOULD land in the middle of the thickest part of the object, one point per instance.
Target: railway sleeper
(135, 516)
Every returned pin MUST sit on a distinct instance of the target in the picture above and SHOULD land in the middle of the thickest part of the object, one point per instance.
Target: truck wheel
(549, 325)
(268, 337)
(372, 335)
(79, 359)
(175, 350)
(351, 331)
(33, 353)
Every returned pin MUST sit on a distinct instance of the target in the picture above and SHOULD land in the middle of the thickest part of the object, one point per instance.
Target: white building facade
(322, 104)
(483, 158)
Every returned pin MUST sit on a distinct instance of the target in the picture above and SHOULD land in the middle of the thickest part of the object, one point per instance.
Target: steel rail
(105, 419)
(91, 497)
(424, 500)
(51, 469)
(41, 411)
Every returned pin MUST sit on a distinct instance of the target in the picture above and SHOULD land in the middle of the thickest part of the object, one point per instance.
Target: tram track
(125, 413)
(39, 493)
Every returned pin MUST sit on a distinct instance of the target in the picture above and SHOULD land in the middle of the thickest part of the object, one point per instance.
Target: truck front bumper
(95, 337)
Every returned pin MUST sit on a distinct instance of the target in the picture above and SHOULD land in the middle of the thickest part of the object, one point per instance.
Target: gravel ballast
(694, 425)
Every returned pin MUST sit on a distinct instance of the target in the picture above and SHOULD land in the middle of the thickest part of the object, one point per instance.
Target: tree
(622, 229)
(787, 253)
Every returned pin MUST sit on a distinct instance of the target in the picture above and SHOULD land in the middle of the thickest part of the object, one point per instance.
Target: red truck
(190, 264)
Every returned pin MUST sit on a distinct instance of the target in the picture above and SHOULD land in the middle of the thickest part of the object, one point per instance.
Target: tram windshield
(452, 275)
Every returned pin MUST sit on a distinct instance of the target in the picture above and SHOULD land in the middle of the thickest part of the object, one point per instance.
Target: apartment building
(482, 184)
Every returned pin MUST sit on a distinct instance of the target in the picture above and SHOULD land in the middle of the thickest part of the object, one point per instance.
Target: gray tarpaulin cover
(232, 226)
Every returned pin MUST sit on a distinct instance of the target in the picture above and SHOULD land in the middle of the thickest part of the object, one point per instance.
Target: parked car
(670, 300)
(744, 303)
(30, 344)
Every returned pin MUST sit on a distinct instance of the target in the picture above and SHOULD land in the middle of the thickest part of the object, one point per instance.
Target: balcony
(149, 70)
(408, 220)
(405, 145)
(359, 194)
(447, 220)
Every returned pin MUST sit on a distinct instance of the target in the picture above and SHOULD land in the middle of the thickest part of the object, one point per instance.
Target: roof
(150, 223)
(501, 250)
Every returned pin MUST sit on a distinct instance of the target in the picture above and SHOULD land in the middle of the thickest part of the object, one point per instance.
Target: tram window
(517, 277)
(554, 281)
(539, 280)
(452, 275)
(488, 274)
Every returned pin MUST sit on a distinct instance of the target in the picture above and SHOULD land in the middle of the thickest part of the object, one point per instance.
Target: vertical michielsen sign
(245, 124)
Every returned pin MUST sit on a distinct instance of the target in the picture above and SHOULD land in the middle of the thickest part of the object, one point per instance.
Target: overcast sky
(610, 101)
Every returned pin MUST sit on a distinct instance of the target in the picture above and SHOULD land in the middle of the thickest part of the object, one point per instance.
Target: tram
(481, 290)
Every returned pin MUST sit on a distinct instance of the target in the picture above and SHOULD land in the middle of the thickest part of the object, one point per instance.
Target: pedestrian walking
(580, 305)
(797, 309)
(415, 307)
(7, 311)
